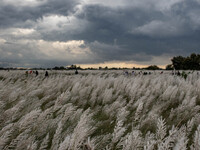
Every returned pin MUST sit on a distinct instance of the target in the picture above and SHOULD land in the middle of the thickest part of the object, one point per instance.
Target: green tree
(153, 67)
(169, 67)
(178, 62)
(191, 62)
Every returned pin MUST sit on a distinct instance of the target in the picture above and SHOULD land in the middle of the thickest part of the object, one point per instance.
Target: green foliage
(169, 67)
(191, 62)
(153, 67)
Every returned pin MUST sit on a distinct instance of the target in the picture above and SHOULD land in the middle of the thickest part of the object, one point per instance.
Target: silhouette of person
(46, 74)
(178, 73)
(133, 73)
(36, 73)
(76, 72)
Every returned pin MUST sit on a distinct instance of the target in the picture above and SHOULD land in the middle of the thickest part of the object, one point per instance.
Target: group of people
(139, 73)
(36, 73)
(176, 73)
(183, 74)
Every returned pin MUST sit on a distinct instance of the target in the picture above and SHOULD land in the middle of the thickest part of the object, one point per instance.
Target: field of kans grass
(99, 110)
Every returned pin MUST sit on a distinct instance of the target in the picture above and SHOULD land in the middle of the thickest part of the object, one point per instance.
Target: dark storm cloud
(12, 14)
(113, 30)
(27, 54)
(150, 31)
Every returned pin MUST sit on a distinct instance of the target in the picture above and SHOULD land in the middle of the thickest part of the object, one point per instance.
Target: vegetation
(99, 110)
(153, 67)
(191, 62)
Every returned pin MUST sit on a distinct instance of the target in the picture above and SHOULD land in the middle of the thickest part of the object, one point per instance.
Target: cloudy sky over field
(46, 33)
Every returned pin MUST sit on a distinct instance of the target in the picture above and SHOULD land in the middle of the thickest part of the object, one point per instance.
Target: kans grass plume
(97, 110)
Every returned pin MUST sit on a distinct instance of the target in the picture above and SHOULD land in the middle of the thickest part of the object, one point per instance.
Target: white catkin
(65, 144)
(161, 129)
(132, 140)
(45, 143)
(197, 139)
(101, 109)
(118, 132)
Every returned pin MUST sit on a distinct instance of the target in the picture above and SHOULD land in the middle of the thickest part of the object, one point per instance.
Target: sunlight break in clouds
(64, 50)
(21, 31)
(159, 61)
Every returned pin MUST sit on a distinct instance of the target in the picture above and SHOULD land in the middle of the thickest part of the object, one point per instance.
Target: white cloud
(68, 24)
(64, 50)
(21, 31)
(52, 22)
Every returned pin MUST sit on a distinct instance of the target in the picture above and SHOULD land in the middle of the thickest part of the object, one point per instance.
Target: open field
(97, 110)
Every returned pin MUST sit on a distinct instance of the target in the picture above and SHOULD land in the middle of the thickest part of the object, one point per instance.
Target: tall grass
(97, 110)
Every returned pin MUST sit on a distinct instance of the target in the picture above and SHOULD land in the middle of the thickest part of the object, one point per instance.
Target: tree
(72, 67)
(169, 67)
(153, 67)
(59, 68)
(178, 62)
(191, 62)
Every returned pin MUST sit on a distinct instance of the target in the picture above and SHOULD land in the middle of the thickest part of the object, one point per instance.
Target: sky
(49, 33)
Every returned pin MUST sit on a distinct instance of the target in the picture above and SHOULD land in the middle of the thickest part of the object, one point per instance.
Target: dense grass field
(99, 110)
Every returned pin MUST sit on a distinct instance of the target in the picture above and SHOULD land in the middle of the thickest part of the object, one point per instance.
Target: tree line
(191, 62)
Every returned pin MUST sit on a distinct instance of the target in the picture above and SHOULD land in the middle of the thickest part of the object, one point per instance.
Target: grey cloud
(106, 52)
(27, 53)
(11, 15)
(130, 32)
(158, 32)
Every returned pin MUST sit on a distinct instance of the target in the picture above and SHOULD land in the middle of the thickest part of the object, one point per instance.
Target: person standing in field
(76, 72)
(46, 74)
(178, 73)
(133, 72)
(36, 73)
(26, 73)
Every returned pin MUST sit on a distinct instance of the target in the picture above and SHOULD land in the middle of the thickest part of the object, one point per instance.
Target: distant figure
(31, 71)
(126, 72)
(145, 73)
(76, 72)
(133, 73)
(184, 75)
(36, 73)
(26, 73)
(161, 72)
(178, 73)
(46, 74)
